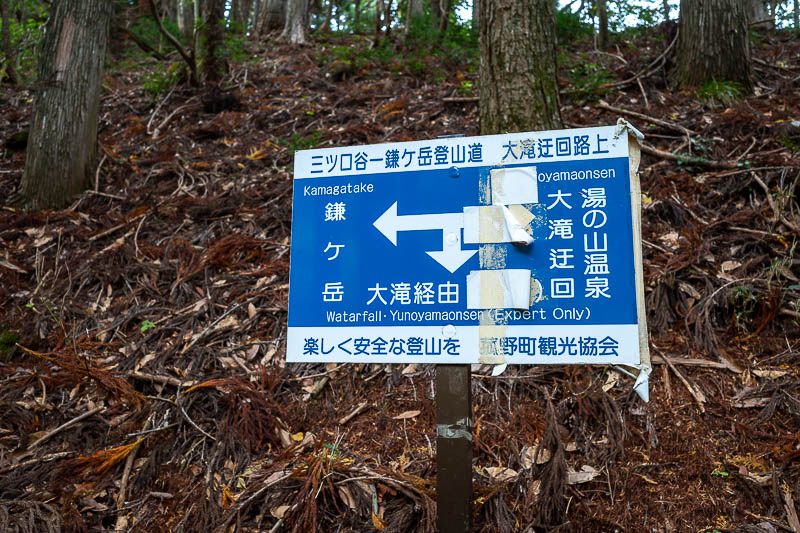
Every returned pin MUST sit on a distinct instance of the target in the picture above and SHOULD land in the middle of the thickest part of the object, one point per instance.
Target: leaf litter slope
(142, 364)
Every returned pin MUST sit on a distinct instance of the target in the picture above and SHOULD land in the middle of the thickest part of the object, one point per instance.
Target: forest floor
(143, 383)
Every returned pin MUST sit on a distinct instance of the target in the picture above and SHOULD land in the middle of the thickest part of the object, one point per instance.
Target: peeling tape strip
(497, 224)
(459, 430)
(499, 289)
(517, 185)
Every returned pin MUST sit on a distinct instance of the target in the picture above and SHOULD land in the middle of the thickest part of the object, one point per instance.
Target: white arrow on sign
(451, 256)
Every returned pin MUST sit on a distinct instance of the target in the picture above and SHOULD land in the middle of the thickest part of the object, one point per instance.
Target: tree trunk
(476, 16)
(356, 13)
(247, 8)
(63, 136)
(413, 11)
(602, 25)
(296, 29)
(797, 16)
(274, 16)
(387, 18)
(713, 44)
(436, 10)
(256, 19)
(8, 50)
(186, 19)
(213, 64)
(665, 9)
(757, 14)
(326, 24)
(518, 88)
(445, 6)
(378, 14)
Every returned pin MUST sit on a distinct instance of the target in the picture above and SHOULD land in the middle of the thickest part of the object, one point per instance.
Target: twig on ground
(671, 125)
(359, 408)
(64, 426)
(697, 395)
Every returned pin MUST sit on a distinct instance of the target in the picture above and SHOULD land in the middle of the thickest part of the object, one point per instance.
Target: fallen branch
(359, 408)
(697, 395)
(671, 125)
(646, 148)
(43, 459)
(64, 426)
(460, 99)
(704, 363)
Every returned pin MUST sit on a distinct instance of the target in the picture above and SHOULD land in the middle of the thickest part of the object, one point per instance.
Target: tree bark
(797, 16)
(274, 16)
(713, 44)
(60, 160)
(378, 14)
(8, 50)
(445, 7)
(413, 10)
(518, 88)
(186, 19)
(476, 19)
(213, 64)
(602, 25)
(387, 17)
(296, 29)
(759, 15)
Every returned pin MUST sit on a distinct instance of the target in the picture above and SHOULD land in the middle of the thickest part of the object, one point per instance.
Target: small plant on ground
(719, 92)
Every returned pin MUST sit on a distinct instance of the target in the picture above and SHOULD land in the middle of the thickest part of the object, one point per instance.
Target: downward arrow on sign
(451, 257)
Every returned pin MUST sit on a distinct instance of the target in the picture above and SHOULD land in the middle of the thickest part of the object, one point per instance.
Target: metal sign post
(453, 448)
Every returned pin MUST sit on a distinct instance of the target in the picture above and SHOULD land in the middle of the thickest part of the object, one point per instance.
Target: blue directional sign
(514, 248)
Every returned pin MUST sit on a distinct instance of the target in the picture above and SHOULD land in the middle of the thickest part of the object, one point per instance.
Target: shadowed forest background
(144, 267)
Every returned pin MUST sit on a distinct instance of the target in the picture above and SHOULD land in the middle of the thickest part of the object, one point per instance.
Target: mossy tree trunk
(518, 87)
(63, 135)
(713, 44)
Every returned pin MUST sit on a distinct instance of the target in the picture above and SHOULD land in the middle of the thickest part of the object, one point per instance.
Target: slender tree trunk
(296, 29)
(326, 23)
(518, 88)
(445, 6)
(213, 64)
(186, 19)
(797, 16)
(356, 14)
(236, 11)
(436, 10)
(8, 50)
(476, 15)
(665, 9)
(713, 43)
(378, 14)
(256, 19)
(63, 136)
(387, 17)
(247, 8)
(602, 25)
(413, 11)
